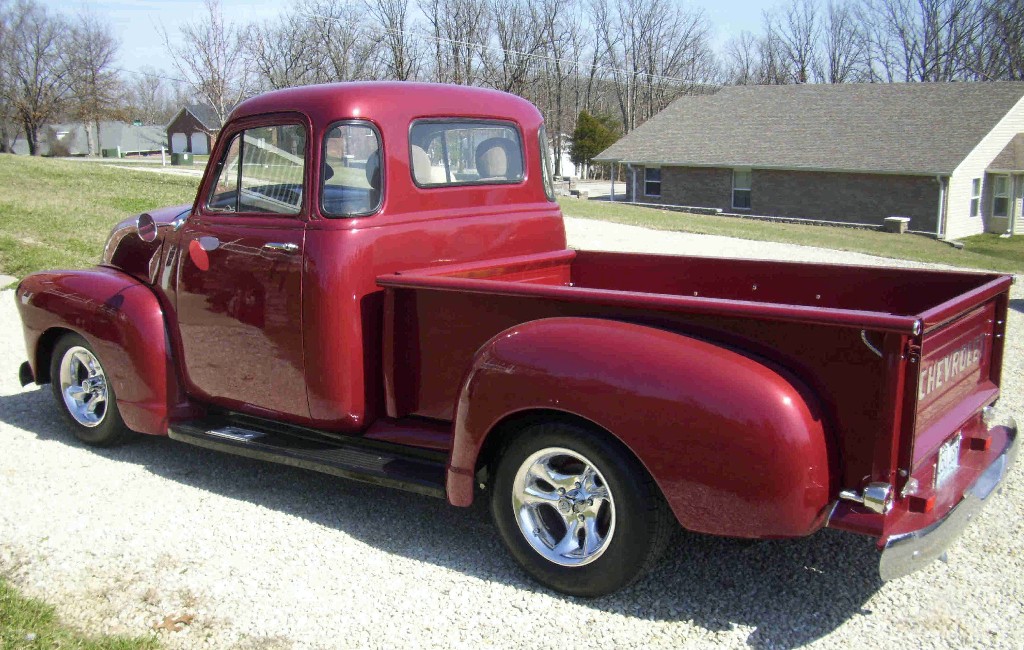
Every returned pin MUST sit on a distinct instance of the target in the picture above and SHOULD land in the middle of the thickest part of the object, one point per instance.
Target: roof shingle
(922, 128)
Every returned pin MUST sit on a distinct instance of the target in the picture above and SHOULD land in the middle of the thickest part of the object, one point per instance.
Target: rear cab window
(353, 174)
(451, 152)
(262, 171)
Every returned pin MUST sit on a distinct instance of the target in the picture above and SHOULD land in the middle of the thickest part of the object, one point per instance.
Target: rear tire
(84, 394)
(576, 509)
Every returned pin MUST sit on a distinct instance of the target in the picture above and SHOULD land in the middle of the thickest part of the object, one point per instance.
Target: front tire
(576, 510)
(84, 394)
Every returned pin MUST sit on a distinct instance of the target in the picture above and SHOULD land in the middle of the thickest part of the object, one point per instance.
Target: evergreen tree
(591, 136)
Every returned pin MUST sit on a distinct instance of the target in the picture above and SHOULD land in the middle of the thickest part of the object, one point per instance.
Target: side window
(263, 171)
(225, 193)
(444, 153)
(353, 172)
(546, 164)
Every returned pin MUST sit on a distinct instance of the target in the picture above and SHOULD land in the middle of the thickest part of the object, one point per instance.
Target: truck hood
(127, 252)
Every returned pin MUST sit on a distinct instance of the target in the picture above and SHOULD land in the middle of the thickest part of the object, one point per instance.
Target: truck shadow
(790, 592)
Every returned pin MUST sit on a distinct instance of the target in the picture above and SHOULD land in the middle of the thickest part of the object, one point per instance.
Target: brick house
(950, 156)
(193, 130)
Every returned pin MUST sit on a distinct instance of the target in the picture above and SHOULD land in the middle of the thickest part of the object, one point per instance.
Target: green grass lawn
(57, 214)
(980, 252)
(26, 623)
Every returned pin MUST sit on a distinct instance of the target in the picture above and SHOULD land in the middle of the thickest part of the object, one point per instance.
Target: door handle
(281, 246)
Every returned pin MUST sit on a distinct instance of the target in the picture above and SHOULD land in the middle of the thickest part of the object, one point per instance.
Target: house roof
(206, 116)
(1011, 158)
(919, 128)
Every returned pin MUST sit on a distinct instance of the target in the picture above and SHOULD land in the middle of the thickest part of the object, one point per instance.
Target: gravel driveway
(265, 556)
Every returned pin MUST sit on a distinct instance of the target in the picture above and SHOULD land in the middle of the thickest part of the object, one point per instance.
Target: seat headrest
(498, 158)
(373, 169)
(420, 162)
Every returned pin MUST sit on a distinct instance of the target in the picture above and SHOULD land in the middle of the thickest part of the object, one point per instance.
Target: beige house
(948, 156)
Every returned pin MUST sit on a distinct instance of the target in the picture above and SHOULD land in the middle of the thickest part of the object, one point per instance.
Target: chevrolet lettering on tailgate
(951, 366)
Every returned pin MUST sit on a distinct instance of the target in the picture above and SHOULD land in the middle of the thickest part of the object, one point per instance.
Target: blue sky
(137, 22)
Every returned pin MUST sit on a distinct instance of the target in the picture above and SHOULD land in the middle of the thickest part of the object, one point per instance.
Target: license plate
(949, 456)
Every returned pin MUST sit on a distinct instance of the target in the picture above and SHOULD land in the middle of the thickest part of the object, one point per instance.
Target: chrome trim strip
(909, 552)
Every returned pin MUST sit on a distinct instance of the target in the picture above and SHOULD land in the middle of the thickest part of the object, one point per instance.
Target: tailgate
(958, 375)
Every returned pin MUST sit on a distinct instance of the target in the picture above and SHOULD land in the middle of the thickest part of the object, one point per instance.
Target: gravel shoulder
(266, 556)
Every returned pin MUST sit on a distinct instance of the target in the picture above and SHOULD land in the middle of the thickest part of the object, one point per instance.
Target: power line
(150, 74)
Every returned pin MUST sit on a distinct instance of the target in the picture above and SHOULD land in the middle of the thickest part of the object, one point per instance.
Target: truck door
(239, 298)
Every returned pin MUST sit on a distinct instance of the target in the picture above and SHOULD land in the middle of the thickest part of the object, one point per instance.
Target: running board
(352, 460)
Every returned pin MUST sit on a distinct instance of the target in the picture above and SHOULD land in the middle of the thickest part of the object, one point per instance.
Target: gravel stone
(267, 556)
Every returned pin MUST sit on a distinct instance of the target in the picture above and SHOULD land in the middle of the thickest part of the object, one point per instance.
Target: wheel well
(511, 425)
(44, 350)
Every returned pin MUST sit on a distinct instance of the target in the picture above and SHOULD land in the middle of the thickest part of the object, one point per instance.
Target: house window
(652, 181)
(1001, 196)
(975, 197)
(741, 189)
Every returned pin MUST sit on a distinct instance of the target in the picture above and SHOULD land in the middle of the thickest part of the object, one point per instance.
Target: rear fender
(123, 322)
(737, 447)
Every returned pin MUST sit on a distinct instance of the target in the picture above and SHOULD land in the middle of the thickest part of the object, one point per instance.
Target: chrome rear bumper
(904, 554)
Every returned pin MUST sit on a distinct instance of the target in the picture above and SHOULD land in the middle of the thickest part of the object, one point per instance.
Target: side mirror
(146, 227)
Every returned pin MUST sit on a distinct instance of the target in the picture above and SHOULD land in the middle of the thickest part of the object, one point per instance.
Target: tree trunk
(31, 137)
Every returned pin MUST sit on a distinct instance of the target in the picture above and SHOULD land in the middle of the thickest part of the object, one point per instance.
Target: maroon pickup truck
(373, 282)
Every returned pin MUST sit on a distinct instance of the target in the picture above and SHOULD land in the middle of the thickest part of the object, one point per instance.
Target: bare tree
(281, 51)
(459, 28)
(559, 24)
(210, 55)
(343, 45)
(794, 28)
(96, 88)
(842, 58)
(920, 40)
(8, 132)
(742, 59)
(401, 60)
(655, 50)
(520, 33)
(152, 98)
(38, 80)
(997, 51)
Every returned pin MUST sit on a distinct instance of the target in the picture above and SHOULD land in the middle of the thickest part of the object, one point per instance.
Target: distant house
(193, 130)
(950, 156)
(70, 139)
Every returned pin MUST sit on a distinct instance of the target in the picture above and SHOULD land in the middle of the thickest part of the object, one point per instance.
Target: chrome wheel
(563, 506)
(83, 386)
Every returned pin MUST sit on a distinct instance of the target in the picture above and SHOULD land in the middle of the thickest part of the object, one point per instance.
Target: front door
(239, 298)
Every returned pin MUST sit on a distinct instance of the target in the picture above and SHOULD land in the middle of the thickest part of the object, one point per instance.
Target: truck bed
(856, 336)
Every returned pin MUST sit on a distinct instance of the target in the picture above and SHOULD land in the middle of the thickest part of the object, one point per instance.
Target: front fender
(737, 447)
(123, 322)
